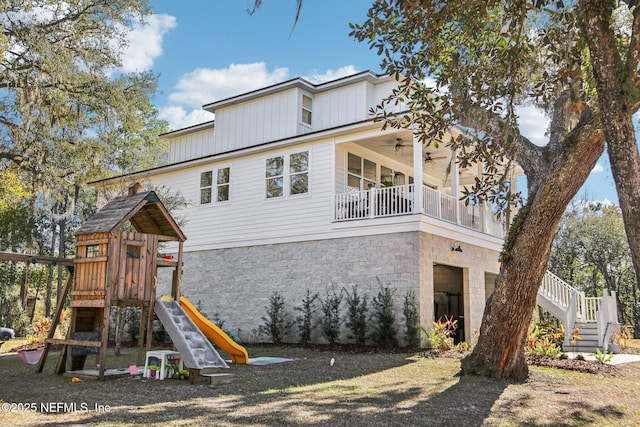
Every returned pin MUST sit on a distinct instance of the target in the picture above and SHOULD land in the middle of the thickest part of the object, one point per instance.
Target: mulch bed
(588, 366)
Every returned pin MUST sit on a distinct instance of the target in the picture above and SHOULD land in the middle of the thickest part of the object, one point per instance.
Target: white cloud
(533, 124)
(145, 42)
(329, 75)
(597, 168)
(205, 85)
(179, 118)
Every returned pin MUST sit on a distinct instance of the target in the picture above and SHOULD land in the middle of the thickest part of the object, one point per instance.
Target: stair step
(570, 349)
(586, 325)
(590, 343)
(587, 336)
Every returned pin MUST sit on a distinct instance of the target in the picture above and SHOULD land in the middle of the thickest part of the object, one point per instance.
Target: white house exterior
(294, 187)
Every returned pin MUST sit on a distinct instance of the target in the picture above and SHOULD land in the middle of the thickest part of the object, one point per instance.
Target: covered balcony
(394, 174)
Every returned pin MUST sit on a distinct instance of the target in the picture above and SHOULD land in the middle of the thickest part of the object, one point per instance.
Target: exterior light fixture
(456, 247)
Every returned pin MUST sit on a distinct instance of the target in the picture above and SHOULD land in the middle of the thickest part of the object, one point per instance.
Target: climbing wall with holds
(196, 350)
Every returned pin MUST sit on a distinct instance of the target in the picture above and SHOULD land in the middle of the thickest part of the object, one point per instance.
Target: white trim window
(307, 104)
(221, 186)
(361, 173)
(205, 187)
(287, 175)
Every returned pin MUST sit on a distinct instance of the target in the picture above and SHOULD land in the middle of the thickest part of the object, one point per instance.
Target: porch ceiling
(399, 147)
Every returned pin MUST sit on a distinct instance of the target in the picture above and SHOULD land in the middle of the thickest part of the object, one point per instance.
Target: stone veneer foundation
(236, 283)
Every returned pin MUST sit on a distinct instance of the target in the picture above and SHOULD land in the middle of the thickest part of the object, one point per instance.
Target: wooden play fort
(116, 266)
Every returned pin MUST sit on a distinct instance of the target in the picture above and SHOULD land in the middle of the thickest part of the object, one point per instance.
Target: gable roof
(299, 83)
(143, 210)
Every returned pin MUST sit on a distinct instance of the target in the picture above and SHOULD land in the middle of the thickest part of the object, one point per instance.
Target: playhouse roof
(143, 210)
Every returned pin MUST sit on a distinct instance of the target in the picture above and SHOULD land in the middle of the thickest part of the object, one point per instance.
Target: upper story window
(218, 192)
(306, 109)
(222, 187)
(361, 173)
(205, 187)
(299, 172)
(287, 175)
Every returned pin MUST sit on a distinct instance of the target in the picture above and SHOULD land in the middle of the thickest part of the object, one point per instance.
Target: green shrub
(330, 321)
(463, 347)
(545, 348)
(603, 357)
(276, 322)
(545, 339)
(305, 320)
(440, 336)
(356, 318)
(548, 330)
(411, 319)
(383, 318)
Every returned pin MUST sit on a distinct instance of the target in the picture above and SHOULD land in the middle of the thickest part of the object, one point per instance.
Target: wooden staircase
(588, 341)
(592, 318)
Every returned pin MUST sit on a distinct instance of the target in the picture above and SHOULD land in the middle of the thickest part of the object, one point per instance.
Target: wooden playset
(115, 266)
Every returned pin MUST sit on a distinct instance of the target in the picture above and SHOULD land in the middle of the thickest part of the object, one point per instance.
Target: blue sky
(206, 50)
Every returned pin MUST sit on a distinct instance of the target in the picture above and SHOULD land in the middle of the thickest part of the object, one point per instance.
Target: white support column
(455, 184)
(418, 182)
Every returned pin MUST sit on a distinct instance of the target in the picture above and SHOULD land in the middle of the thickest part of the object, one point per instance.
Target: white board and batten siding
(193, 145)
(257, 121)
(341, 106)
(278, 116)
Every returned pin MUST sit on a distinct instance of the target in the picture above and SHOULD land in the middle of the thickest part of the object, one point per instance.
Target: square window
(205, 196)
(275, 166)
(287, 175)
(223, 193)
(133, 251)
(299, 162)
(223, 176)
(299, 183)
(205, 179)
(93, 251)
(274, 187)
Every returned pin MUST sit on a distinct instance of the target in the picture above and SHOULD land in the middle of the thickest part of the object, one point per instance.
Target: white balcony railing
(377, 202)
(399, 200)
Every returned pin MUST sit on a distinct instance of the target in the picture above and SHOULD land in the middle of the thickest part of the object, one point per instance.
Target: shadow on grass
(358, 389)
(461, 404)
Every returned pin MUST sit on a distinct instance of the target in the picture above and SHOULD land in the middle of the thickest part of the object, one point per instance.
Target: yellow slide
(237, 352)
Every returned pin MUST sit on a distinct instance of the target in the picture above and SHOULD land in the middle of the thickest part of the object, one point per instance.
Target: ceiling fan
(429, 159)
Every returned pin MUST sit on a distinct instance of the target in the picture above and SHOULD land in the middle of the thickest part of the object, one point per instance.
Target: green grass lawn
(358, 389)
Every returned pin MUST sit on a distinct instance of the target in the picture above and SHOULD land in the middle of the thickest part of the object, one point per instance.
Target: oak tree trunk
(499, 352)
(615, 81)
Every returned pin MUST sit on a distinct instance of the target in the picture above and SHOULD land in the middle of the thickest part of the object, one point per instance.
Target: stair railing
(607, 314)
(561, 294)
(576, 307)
